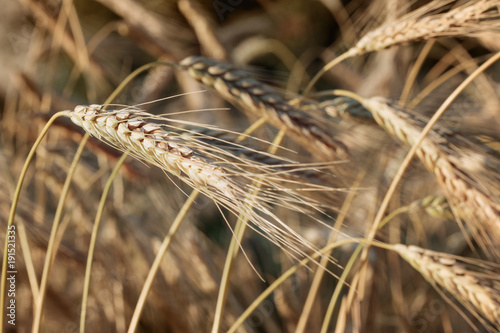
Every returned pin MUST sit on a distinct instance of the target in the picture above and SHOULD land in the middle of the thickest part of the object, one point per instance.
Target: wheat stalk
(477, 202)
(480, 291)
(252, 96)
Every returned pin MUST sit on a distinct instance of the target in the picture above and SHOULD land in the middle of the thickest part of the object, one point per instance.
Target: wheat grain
(238, 88)
(477, 202)
(471, 18)
(479, 291)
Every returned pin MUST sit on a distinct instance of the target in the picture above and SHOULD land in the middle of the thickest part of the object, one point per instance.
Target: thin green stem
(347, 269)
(318, 275)
(250, 309)
(340, 284)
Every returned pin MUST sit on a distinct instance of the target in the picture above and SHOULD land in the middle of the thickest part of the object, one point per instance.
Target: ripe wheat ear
(479, 291)
(477, 202)
(468, 19)
(252, 96)
(198, 161)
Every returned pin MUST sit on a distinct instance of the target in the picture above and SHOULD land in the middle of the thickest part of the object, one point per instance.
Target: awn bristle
(238, 88)
(206, 164)
(471, 18)
(479, 291)
(477, 203)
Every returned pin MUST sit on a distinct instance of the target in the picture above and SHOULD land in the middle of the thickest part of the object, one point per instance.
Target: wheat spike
(479, 291)
(238, 88)
(128, 130)
(477, 202)
(471, 18)
(197, 160)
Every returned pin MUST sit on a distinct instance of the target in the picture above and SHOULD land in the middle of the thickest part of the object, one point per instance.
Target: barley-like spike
(479, 291)
(423, 23)
(477, 203)
(223, 176)
(252, 96)
(129, 131)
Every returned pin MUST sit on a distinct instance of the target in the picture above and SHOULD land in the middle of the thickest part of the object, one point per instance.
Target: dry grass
(334, 212)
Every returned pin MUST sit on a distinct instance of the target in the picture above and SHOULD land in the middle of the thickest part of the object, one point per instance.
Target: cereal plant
(250, 166)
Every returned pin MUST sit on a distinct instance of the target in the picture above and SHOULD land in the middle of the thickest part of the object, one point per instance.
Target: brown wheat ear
(472, 193)
(252, 96)
(476, 291)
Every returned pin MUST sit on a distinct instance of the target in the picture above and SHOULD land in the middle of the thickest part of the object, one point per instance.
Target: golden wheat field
(250, 166)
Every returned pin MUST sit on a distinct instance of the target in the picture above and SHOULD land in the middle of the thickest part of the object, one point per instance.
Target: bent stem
(323, 70)
(132, 75)
(93, 239)
(318, 275)
(13, 208)
(159, 257)
(55, 226)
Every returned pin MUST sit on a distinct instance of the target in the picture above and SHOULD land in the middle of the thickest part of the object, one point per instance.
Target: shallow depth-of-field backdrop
(314, 169)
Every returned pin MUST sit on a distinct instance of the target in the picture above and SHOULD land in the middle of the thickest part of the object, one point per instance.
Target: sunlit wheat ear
(216, 172)
(476, 201)
(471, 18)
(237, 87)
(426, 22)
(477, 291)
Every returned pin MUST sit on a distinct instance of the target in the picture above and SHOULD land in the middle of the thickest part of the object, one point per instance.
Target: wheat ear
(238, 88)
(196, 160)
(129, 130)
(471, 18)
(479, 291)
(477, 203)
(424, 23)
